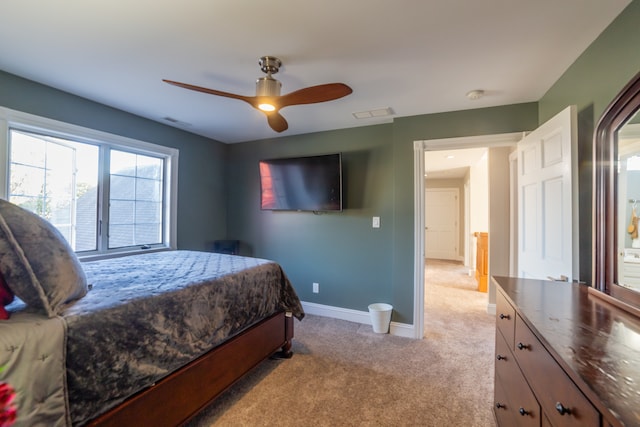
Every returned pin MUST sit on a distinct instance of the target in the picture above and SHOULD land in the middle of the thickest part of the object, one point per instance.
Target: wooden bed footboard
(176, 398)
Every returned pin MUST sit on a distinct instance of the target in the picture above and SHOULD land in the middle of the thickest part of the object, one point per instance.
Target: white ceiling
(416, 57)
(451, 164)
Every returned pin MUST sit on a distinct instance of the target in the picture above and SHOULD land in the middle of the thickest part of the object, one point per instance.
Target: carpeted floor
(344, 374)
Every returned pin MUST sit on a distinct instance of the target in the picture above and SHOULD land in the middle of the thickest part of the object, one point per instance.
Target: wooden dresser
(563, 357)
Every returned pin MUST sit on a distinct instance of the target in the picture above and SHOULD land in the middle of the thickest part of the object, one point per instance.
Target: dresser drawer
(561, 401)
(505, 318)
(521, 405)
(504, 412)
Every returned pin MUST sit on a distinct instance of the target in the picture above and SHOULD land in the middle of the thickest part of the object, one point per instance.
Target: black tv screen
(311, 183)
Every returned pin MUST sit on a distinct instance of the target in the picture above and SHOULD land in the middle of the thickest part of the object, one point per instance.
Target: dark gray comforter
(147, 315)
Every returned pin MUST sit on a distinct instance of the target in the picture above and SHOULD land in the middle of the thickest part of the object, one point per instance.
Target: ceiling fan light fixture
(265, 106)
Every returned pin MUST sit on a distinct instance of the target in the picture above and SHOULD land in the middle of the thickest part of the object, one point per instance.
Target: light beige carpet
(344, 374)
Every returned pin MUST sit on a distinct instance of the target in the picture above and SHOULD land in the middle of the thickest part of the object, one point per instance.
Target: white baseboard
(395, 328)
(402, 330)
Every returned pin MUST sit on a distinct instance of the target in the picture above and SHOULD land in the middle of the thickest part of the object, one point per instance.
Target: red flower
(8, 417)
(8, 412)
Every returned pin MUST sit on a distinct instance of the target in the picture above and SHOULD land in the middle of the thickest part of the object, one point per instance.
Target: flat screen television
(312, 183)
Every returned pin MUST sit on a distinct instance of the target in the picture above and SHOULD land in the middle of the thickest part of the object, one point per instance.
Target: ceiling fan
(268, 98)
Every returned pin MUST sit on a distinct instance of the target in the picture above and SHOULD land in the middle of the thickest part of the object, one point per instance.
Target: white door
(547, 200)
(441, 223)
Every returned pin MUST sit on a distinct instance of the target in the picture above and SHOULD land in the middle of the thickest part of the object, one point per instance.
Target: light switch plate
(376, 222)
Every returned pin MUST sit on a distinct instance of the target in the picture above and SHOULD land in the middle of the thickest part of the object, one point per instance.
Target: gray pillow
(37, 262)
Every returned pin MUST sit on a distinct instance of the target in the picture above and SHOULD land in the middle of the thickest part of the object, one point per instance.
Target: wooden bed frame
(182, 394)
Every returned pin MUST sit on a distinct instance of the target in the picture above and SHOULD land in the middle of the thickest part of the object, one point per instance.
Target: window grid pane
(136, 199)
(56, 179)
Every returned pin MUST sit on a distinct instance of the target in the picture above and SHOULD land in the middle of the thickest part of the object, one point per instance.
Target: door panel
(529, 208)
(441, 223)
(546, 166)
(553, 196)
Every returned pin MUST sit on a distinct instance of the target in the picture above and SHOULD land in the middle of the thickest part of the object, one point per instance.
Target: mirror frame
(605, 188)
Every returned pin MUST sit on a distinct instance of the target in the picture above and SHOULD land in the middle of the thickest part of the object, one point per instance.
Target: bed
(148, 339)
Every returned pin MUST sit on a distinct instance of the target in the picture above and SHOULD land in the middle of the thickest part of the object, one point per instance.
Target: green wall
(341, 251)
(591, 83)
(201, 180)
(354, 264)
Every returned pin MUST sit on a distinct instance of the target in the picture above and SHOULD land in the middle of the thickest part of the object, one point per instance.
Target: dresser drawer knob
(501, 357)
(522, 346)
(504, 316)
(562, 410)
(500, 406)
(523, 412)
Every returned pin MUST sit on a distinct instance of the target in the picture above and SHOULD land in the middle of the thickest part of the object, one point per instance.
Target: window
(135, 199)
(104, 193)
(58, 180)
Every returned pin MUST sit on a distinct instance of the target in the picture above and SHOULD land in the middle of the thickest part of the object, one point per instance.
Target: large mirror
(616, 262)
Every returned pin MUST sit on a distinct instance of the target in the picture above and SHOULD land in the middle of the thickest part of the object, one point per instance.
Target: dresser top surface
(595, 342)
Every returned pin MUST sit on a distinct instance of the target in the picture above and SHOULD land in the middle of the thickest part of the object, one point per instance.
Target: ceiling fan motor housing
(268, 86)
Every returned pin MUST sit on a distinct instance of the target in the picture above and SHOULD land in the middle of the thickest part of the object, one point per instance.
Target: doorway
(420, 147)
(450, 252)
(461, 170)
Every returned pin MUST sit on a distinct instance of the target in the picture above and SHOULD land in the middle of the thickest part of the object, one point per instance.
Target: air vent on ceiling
(378, 112)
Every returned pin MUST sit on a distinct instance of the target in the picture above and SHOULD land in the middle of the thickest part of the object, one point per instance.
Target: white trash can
(380, 317)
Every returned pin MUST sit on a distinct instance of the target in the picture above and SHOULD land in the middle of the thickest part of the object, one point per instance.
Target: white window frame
(28, 122)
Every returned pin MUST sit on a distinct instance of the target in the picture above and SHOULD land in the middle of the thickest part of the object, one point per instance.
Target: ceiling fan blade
(249, 99)
(277, 122)
(313, 94)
